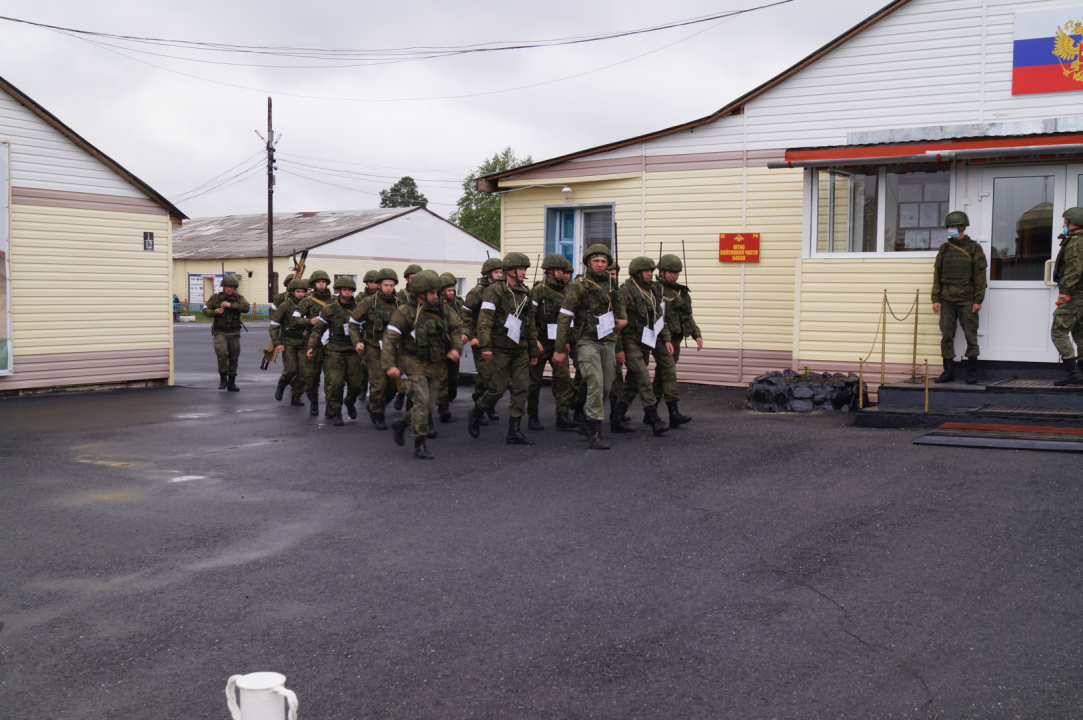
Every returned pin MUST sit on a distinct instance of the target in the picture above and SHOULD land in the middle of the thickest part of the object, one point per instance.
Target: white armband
(569, 313)
(488, 306)
(392, 327)
(274, 323)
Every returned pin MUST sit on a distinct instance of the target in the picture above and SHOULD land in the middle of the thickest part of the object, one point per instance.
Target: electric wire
(344, 187)
(219, 175)
(248, 172)
(363, 176)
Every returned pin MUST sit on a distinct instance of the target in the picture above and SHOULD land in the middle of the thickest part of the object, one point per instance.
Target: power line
(344, 187)
(365, 176)
(219, 175)
(215, 186)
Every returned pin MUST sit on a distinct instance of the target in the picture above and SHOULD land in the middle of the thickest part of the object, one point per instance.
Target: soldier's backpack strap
(964, 252)
(316, 300)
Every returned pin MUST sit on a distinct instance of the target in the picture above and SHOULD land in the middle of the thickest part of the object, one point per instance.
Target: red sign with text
(739, 247)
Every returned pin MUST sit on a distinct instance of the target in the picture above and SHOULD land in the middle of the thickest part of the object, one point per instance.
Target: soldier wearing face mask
(958, 292)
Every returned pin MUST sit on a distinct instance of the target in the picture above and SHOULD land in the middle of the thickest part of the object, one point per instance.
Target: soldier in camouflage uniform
(404, 297)
(417, 341)
(341, 362)
(681, 324)
(1068, 317)
(371, 288)
(595, 306)
(645, 335)
(492, 270)
(226, 308)
(453, 309)
(310, 309)
(367, 325)
(508, 339)
(618, 368)
(371, 285)
(958, 292)
(289, 335)
(546, 299)
(281, 297)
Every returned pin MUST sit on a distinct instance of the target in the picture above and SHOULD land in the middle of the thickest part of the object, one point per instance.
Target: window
(1022, 227)
(570, 230)
(850, 223)
(915, 208)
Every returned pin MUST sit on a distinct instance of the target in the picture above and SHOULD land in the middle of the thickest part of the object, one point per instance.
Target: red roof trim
(877, 151)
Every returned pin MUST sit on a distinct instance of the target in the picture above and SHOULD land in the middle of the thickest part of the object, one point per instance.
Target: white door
(1020, 219)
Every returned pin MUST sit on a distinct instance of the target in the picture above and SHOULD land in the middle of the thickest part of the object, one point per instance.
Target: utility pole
(271, 142)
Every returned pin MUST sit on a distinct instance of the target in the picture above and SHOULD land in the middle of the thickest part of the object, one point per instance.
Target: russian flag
(1036, 67)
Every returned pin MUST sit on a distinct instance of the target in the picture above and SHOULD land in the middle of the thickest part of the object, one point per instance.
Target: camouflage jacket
(959, 272)
(418, 339)
(587, 298)
(334, 319)
(230, 319)
(472, 308)
(288, 325)
(679, 318)
(644, 307)
(546, 299)
(371, 317)
(500, 301)
(1068, 272)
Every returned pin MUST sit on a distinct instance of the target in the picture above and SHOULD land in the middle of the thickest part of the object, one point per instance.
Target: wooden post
(914, 369)
(926, 384)
(860, 384)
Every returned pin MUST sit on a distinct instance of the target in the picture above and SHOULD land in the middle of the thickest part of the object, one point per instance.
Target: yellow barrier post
(860, 384)
(883, 339)
(914, 368)
(926, 384)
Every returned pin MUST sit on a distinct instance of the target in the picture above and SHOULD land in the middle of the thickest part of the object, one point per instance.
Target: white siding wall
(418, 236)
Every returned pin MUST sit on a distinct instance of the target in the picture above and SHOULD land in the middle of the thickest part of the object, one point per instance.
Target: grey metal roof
(245, 236)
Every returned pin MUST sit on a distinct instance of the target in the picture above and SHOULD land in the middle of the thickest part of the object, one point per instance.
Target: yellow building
(78, 231)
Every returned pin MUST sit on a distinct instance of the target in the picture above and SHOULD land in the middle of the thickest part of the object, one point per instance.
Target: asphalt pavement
(154, 542)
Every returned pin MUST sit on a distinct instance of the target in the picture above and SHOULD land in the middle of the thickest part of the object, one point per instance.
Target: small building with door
(842, 169)
(339, 243)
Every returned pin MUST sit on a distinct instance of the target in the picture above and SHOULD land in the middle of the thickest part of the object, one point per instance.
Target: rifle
(270, 355)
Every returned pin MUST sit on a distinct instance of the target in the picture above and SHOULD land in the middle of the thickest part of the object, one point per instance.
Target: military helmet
(298, 284)
(957, 217)
(596, 249)
(288, 280)
(411, 270)
(516, 260)
(387, 274)
(318, 275)
(553, 261)
(447, 280)
(491, 264)
(641, 264)
(671, 263)
(614, 266)
(424, 281)
(566, 265)
(1074, 215)
(231, 281)
(345, 281)
(370, 276)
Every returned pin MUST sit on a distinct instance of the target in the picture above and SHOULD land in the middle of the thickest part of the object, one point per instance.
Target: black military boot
(1071, 366)
(577, 414)
(222, 381)
(972, 370)
(378, 422)
(420, 451)
(515, 435)
(279, 391)
(564, 422)
(617, 422)
(314, 408)
(364, 392)
(675, 417)
(327, 412)
(399, 428)
(949, 372)
(400, 398)
(491, 414)
(613, 408)
(657, 426)
(483, 421)
(445, 414)
(232, 384)
(432, 429)
(351, 408)
(595, 435)
(473, 421)
(534, 423)
(297, 402)
(337, 419)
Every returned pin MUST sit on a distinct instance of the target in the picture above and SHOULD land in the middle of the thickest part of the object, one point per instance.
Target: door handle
(1048, 278)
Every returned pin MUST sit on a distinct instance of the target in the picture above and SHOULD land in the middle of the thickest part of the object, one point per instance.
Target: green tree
(479, 212)
(404, 193)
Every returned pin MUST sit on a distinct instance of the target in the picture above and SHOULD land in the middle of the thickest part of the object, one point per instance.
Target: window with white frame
(570, 230)
(880, 210)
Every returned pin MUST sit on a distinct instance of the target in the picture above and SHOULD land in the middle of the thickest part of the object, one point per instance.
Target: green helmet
(387, 274)
(370, 276)
(491, 264)
(516, 260)
(448, 280)
(553, 261)
(424, 281)
(288, 280)
(671, 263)
(566, 265)
(614, 266)
(345, 281)
(1074, 215)
(641, 264)
(231, 281)
(596, 249)
(957, 218)
(318, 275)
(298, 284)
(411, 270)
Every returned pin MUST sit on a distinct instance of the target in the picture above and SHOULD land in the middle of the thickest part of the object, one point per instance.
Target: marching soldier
(617, 387)
(958, 292)
(596, 308)
(289, 331)
(371, 286)
(417, 341)
(546, 299)
(453, 309)
(341, 363)
(681, 324)
(281, 297)
(367, 326)
(404, 297)
(226, 308)
(492, 270)
(645, 335)
(508, 339)
(310, 308)
(1068, 317)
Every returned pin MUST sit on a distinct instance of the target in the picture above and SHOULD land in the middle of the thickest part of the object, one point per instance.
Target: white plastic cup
(263, 696)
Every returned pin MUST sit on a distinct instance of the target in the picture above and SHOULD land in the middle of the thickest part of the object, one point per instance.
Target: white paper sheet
(514, 325)
(606, 324)
(551, 330)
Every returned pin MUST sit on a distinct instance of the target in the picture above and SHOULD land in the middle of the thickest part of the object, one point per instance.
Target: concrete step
(1006, 437)
(880, 416)
(1014, 392)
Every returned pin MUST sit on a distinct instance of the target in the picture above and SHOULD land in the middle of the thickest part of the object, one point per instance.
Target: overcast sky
(176, 132)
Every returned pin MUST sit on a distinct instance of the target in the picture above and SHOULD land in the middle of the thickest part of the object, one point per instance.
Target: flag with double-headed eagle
(1047, 54)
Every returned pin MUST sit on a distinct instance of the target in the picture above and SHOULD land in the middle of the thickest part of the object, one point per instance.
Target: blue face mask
(953, 232)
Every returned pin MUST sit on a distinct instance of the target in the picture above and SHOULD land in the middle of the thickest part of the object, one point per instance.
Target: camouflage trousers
(228, 348)
(422, 391)
(617, 387)
(294, 372)
(313, 368)
(341, 368)
(1068, 326)
(563, 392)
(638, 381)
(950, 313)
(483, 375)
(596, 360)
(379, 383)
(665, 375)
(508, 369)
(449, 385)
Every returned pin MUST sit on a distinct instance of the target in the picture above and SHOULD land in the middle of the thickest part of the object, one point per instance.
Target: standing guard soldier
(595, 306)
(226, 308)
(1068, 317)
(681, 324)
(367, 325)
(546, 299)
(341, 362)
(645, 335)
(958, 291)
(492, 270)
(508, 338)
(453, 309)
(282, 296)
(310, 309)
(289, 333)
(417, 341)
